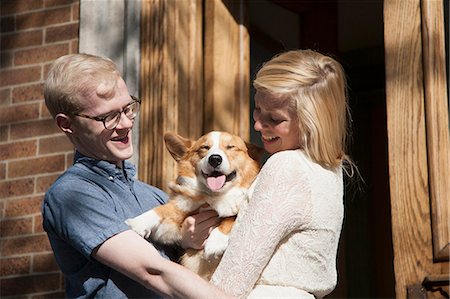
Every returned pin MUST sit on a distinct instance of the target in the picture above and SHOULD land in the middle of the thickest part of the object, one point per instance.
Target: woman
(285, 240)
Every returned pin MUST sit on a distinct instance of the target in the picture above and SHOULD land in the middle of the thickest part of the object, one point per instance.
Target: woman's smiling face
(277, 123)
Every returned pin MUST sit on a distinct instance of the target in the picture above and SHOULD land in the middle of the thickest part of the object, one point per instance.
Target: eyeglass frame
(135, 100)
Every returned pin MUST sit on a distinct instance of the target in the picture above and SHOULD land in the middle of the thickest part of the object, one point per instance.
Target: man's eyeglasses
(111, 120)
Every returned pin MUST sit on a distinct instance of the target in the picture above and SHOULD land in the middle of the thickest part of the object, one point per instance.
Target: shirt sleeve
(279, 205)
(83, 217)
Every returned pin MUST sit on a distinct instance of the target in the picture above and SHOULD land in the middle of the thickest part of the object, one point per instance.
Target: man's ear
(64, 123)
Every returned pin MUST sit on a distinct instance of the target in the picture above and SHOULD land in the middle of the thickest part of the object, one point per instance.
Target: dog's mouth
(216, 179)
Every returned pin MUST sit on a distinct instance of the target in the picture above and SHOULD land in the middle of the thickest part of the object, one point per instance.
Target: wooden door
(194, 76)
(418, 138)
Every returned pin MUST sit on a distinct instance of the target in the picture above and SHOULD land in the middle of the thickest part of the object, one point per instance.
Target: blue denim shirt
(84, 207)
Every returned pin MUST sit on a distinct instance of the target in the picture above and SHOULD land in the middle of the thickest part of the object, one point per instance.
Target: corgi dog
(217, 169)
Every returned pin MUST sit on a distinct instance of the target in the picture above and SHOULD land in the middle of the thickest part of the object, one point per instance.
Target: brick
(21, 40)
(69, 159)
(40, 54)
(16, 113)
(16, 227)
(7, 24)
(16, 187)
(16, 286)
(55, 144)
(2, 173)
(50, 295)
(20, 75)
(19, 149)
(34, 128)
(44, 263)
(37, 227)
(44, 182)
(2, 209)
(45, 113)
(51, 3)
(43, 18)
(76, 11)
(22, 245)
(47, 67)
(6, 59)
(4, 132)
(27, 167)
(61, 33)
(74, 46)
(18, 6)
(15, 266)
(28, 93)
(5, 96)
(23, 206)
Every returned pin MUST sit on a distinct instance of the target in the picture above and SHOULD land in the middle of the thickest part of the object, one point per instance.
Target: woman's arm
(133, 256)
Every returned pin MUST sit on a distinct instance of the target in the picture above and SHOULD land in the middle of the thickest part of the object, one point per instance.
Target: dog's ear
(177, 145)
(255, 152)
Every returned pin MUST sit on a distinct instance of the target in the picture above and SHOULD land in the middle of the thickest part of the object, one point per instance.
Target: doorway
(351, 32)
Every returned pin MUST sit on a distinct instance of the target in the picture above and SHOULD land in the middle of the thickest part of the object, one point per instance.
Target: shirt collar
(108, 168)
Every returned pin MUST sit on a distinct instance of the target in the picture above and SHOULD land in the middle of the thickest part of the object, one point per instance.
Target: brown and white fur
(217, 169)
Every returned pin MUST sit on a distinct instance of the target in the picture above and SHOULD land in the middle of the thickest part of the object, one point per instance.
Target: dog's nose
(215, 160)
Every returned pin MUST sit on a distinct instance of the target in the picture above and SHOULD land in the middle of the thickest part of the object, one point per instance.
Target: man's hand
(196, 228)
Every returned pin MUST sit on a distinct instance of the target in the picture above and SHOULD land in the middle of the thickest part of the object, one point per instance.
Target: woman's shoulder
(297, 161)
(289, 163)
(288, 158)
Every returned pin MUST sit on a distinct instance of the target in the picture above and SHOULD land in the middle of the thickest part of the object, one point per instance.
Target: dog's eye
(230, 147)
(205, 147)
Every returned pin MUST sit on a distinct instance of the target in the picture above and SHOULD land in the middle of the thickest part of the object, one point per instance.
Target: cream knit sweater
(285, 240)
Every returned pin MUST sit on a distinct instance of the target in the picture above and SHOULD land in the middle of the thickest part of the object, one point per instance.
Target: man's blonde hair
(74, 77)
(316, 87)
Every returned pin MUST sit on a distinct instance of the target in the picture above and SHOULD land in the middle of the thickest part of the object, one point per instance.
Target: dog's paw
(215, 245)
(144, 223)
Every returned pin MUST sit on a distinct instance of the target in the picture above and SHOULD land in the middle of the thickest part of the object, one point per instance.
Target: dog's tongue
(215, 183)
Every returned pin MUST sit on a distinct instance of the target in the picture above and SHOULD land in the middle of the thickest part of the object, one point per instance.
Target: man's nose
(124, 122)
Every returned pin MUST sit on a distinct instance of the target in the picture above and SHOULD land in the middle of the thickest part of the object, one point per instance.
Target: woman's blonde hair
(316, 87)
(75, 76)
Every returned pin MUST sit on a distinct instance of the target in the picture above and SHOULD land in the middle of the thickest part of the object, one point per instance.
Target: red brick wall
(33, 152)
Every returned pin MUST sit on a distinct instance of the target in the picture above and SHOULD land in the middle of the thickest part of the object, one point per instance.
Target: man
(85, 209)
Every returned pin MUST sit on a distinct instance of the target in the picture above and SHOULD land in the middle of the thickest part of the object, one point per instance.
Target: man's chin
(123, 154)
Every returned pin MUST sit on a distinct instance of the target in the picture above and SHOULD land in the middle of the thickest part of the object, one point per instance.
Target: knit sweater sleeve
(272, 214)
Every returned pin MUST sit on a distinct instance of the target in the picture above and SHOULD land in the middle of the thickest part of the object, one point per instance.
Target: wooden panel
(227, 68)
(408, 172)
(436, 108)
(171, 82)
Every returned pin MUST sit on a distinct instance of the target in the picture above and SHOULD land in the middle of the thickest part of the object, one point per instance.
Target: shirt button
(111, 178)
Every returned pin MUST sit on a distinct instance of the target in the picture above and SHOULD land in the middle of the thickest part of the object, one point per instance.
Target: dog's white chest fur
(229, 203)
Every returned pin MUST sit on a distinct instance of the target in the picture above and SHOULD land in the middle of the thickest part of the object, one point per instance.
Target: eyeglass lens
(112, 120)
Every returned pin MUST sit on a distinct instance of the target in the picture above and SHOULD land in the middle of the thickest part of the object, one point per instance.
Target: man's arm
(133, 256)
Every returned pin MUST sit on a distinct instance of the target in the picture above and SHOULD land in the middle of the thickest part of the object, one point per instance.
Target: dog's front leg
(145, 223)
(159, 220)
(163, 223)
(217, 241)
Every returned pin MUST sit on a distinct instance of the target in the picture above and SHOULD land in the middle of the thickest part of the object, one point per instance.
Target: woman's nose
(258, 125)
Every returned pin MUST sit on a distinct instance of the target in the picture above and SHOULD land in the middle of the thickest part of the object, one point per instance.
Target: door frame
(416, 98)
